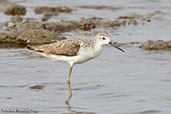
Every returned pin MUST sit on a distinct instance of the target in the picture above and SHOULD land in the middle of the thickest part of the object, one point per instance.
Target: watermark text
(16, 110)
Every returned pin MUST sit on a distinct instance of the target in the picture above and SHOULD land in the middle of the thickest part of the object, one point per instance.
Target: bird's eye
(103, 38)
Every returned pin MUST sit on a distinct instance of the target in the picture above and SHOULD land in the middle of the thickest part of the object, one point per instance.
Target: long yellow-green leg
(68, 80)
(69, 89)
(69, 75)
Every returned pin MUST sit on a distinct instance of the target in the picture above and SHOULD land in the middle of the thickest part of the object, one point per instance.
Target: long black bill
(115, 45)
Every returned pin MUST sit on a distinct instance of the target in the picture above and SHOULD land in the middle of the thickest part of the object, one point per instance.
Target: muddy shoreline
(30, 31)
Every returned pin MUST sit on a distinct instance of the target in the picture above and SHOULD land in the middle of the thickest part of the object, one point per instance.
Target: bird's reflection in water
(69, 107)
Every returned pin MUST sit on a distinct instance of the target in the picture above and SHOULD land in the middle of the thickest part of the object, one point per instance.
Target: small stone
(37, 87)
(64, 9)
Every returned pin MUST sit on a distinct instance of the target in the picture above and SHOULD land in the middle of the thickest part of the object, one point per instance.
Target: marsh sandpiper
(74, 50)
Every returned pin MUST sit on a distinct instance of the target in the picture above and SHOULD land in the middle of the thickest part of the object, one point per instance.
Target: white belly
(82, 56)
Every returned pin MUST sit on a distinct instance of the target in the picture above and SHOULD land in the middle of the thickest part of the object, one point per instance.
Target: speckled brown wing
(68, 47)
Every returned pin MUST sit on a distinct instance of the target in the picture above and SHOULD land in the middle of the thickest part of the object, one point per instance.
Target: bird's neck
(98, 44)
(97, 48)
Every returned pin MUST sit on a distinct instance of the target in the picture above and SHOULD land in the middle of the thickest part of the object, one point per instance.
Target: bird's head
(102, 38)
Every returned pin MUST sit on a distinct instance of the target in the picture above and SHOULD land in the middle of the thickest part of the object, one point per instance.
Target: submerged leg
(69, 97)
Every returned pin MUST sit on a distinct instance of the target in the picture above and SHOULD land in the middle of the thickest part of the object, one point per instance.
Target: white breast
(86, 54)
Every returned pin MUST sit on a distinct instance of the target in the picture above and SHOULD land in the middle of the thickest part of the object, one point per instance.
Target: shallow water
(135, 82)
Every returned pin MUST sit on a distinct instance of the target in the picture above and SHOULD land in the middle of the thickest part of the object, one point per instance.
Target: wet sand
(135, 82)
